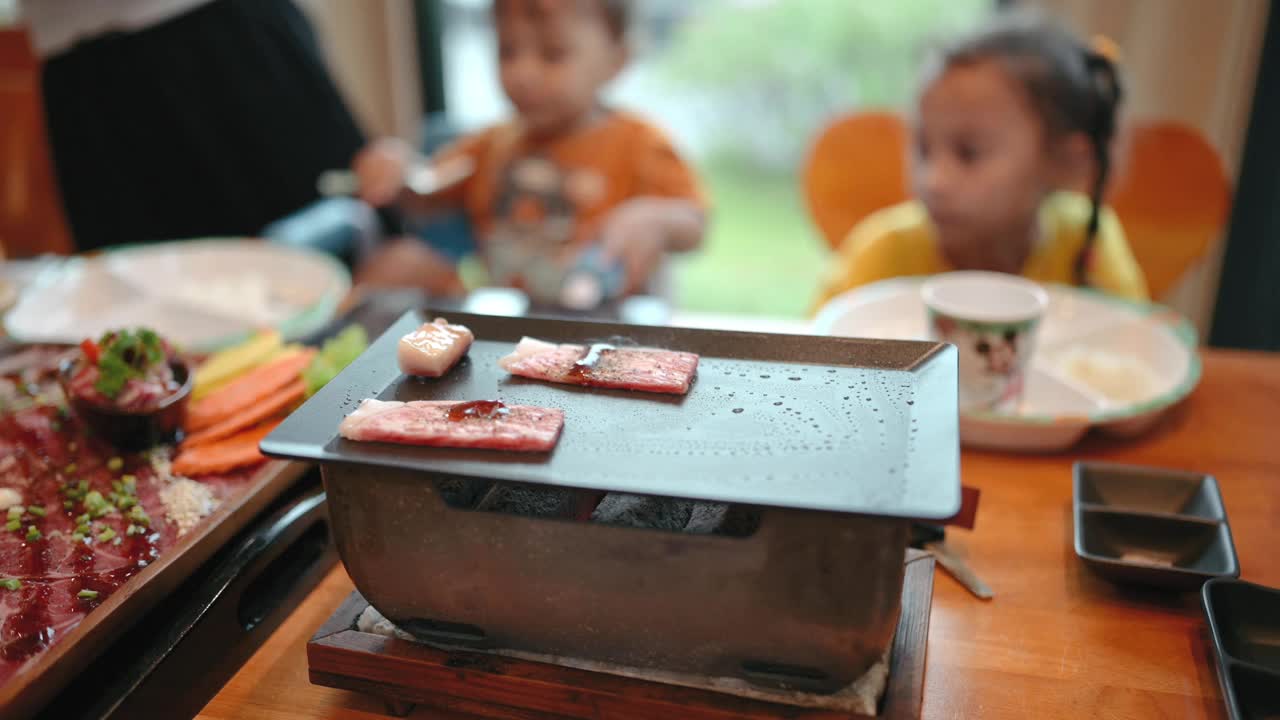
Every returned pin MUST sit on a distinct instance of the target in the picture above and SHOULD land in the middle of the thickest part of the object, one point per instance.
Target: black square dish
(1147, 526)
(1244, 620)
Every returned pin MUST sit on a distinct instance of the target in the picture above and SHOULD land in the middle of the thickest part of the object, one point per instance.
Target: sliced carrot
(243, 393)
(277, 403)
(225, 455)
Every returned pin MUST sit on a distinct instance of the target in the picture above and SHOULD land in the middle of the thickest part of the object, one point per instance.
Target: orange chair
(1171, 192)
(1172, 196)
(857, 166)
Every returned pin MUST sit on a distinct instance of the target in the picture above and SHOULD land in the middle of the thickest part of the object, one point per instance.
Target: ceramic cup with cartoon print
(993, 320)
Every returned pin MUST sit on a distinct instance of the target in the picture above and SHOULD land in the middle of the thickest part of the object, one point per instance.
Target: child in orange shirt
(565, 175)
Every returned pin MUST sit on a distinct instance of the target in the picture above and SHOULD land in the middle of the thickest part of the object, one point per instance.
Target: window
(742, 86)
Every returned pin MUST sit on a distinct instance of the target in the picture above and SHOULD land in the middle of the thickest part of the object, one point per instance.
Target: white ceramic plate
(1100, 362)
(201, 294)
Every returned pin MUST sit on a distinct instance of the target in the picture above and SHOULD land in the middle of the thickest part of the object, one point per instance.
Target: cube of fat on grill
(433, 349)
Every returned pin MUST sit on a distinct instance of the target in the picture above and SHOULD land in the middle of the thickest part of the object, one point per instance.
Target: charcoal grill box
(831, 445)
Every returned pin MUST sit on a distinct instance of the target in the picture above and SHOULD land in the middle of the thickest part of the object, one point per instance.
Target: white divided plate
(1100, 362)
(200, 294)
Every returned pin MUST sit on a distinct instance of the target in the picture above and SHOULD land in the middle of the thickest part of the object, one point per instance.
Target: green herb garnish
(15, 511)
(106, 535)
(87, 594)
(13, 525)
(336, 354)
(96, 505)
(33, 533)
(11, 584)
(36, 510)
(126, 355)
(138, 515)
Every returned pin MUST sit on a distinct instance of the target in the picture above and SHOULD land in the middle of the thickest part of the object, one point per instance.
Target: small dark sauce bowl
(130, 431)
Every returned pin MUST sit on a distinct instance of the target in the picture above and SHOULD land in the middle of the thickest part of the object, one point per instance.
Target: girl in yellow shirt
(1007, 120)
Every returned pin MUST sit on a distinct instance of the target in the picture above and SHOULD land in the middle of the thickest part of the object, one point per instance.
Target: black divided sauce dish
(1244, 620)
(1150, 526)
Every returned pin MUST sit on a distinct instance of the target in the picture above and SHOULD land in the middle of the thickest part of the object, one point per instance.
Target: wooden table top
(1057, 642)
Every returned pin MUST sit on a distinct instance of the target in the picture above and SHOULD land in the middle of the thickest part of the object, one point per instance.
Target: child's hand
(380, 167)
(408, 263)
(635, 235)
(639, 232)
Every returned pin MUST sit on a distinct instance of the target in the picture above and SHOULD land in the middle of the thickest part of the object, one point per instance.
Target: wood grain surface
(1056, 642)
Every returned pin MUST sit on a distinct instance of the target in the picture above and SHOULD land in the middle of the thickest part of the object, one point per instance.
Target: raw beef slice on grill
(603, 366)
(449, 423)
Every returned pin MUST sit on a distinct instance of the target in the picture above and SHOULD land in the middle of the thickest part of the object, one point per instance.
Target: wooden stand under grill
(491, 686)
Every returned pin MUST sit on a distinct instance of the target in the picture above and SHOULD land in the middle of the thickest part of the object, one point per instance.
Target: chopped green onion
(37, 510)
(115, 464)
(96, 504)
(106, 535)
(15, 511)
(84, 529)
(126, 502)
(117, 486)
(83, 485)
(82, 519)
(77, 537)
(130, 482)
(133, 530)
(33, 533)
(87, 594)
(117, 541)
(13, 525)
(11, 584)
(138, 515)
(67, 504)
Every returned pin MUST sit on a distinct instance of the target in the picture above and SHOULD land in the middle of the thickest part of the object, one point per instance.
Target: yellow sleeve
(878, 248)
(1111, 266)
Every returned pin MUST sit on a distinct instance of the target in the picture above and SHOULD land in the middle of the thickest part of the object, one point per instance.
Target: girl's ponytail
(1100, 62)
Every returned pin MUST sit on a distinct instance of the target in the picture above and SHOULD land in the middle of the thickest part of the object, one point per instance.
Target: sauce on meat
(478, 410)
